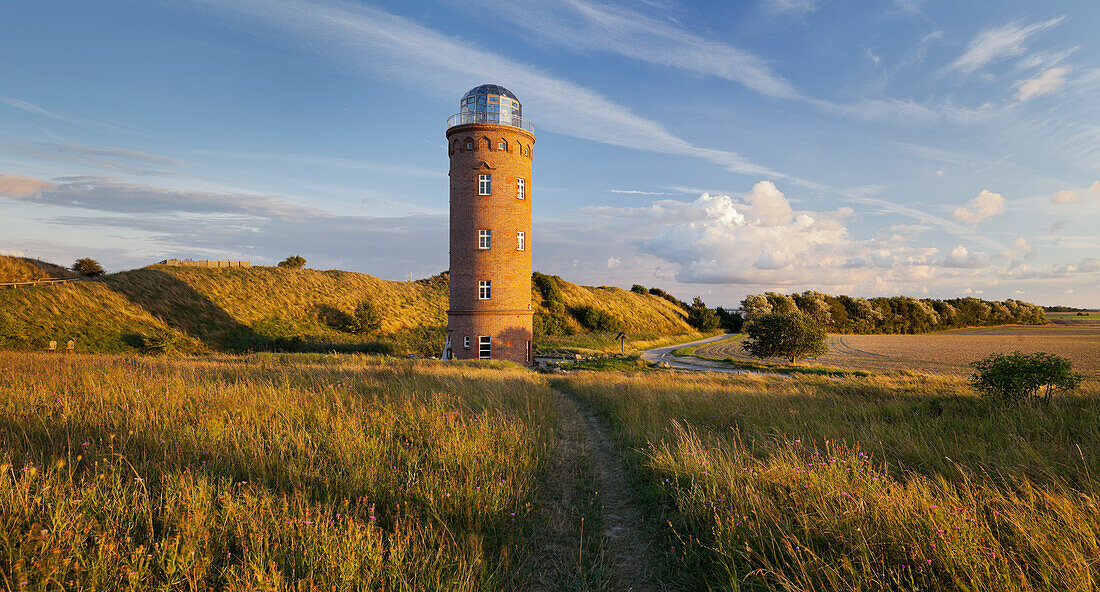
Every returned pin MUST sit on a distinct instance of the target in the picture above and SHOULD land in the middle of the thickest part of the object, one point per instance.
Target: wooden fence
(40, 282)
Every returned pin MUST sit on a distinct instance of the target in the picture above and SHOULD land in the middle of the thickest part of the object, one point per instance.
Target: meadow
(943, 352)
(268, 472)
(870, 483)
(348, 472)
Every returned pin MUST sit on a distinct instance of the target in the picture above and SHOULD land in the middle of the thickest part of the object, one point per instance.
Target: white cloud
(1066, 197)
(997, 43)
(1020, 248)
(613, 262)
(940, 172)
(1049, 81)
(1095, 189)
(636, 192)
(793, 6)
(17, 186)
(961, 257)
(768, 205)
(985, 205)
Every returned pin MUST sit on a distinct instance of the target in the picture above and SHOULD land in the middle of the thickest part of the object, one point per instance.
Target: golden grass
(17, 269)
(241, 309)
(901, 483)
(267, 473)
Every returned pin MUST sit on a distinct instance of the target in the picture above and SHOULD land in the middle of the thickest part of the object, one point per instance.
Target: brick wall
(507, 316)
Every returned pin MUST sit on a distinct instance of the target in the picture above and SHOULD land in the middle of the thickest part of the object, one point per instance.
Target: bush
(549, 323)
(1018, 376)
(594, 319)
(295, 262)
(701, 317)
(639, 289)
(88, 267)
(366, 319)
(161, 342)
(789, 335)
(547, 285)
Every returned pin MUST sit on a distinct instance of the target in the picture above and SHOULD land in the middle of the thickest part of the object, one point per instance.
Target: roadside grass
(606, 342)
(268, 472)
(900, 482)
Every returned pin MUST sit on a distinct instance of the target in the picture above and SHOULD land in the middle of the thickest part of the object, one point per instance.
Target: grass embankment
(268, 472)
(872, 483)
(266, 308)
(23, 269)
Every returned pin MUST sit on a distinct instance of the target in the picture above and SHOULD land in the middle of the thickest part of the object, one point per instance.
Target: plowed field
(946, 352)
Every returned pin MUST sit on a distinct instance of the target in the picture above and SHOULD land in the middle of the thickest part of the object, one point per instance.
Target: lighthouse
(490, 147)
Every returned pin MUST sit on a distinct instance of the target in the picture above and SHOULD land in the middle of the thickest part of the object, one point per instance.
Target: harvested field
(947, 352)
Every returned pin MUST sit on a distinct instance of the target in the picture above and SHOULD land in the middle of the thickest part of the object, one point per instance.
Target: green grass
(859, 483)
(268, 472)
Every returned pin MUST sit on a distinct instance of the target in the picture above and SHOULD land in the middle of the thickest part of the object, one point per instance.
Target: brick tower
(489, 144)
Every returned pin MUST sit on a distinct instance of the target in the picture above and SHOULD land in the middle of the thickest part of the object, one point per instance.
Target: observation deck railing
(466, 117)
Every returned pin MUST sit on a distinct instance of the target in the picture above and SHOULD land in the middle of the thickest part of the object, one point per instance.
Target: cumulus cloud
(1066, 197)
(1020, 248)
(762, 240)
(1095, 189)
(613, 262)
(768, 205)
(961, 257)
(997, 43)
(1049, 81)
(985, 205)
(19, 187)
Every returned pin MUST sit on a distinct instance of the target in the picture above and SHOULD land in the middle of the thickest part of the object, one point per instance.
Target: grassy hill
(268, 308)
(24, 269)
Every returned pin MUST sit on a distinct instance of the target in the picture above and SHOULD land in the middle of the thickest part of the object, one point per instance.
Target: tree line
(895, 314)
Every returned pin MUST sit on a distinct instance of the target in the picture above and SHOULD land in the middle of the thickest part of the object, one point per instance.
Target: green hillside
(25, 269)
(266, 308)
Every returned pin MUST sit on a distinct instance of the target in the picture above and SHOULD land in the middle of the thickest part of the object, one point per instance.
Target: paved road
(664, 354)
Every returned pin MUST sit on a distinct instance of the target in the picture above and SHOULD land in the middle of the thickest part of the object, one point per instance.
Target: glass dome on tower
(490, 103)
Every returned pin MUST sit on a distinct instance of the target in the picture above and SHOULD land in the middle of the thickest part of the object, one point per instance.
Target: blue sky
(927, 148)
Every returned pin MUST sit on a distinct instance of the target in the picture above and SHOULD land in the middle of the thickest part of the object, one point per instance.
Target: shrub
(595, 319)
(701, 317)
(549, 323)
(547, 285)
(295, 262)
(366, 319)
(1018, 376)
(639, 289)
(88, 267)
(161, 342)
(789, 335)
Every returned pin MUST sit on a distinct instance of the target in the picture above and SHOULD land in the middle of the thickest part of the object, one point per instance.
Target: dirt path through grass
(590, 474)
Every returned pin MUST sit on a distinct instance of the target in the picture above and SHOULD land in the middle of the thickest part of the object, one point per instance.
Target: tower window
(466, 342)
(484, 289)
(502, 146)
(521, 241)
(484, 184)
(485, 239)
(484, 347)
(521, 188)
(469, 144)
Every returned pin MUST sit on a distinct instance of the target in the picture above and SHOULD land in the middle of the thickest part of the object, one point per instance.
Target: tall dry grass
(901, 483)
(17, 269)
(267, 473)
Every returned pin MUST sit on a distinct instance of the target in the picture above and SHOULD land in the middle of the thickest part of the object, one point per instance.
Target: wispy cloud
(1049, 81)
(394, 47)
(71, 119)
(109, 158)
(637, 192)
(31, 108)
(579, 25)
(997, 43)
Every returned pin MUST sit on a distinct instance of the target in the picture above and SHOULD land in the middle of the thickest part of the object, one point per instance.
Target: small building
(204, 263)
